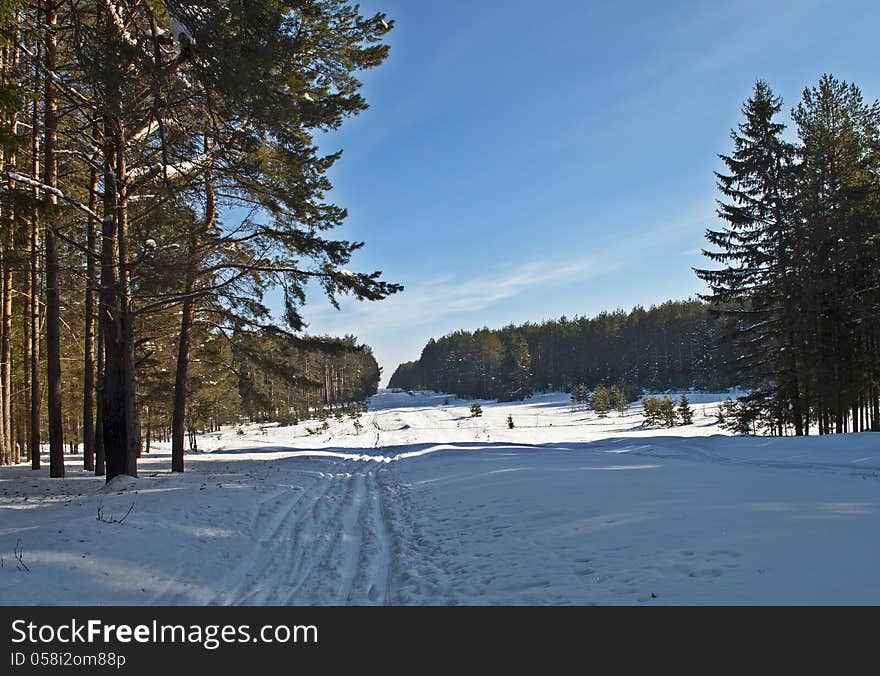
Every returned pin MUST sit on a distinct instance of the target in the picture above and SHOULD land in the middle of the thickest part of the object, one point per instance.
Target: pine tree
(650, 411)
(757, 286)
(668, 414)
(601, 400)
(476, 410)
(134, 133)
(516, 369)
(659, 411)
(800, 254)
(510, 422)
(618, 400)
(685, 413)
(837, 204)
(580, 397)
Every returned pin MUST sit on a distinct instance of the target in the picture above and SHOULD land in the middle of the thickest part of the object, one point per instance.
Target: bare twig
(19, 561)
(110, 519)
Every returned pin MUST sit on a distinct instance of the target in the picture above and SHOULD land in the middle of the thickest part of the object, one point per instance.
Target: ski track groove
(351, 542)
(315, 538)
(266, 525)
(383, 562)
(271, 548)
(332, 541)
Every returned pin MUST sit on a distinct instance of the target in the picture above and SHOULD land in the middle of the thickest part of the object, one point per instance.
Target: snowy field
(426, 505)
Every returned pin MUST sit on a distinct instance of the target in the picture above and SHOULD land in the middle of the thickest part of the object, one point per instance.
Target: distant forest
(670, 346)
(263, 377)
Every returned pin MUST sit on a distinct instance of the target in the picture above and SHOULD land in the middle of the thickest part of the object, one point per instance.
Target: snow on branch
(181, 35)
(150, 128)
(61, 195)
(116, 18)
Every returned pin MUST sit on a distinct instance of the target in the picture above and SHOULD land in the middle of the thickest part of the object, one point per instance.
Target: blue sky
(522, 161)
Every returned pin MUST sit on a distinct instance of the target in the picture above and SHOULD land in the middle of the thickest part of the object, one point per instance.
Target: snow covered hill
(423, 504)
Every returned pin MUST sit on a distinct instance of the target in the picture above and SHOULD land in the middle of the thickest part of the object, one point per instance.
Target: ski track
(328, 542)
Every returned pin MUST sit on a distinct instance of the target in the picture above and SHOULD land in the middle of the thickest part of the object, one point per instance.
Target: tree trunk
(178, 416)
(26, 353)
(36, 397)
(119, 416)
(89, 337)
(129, 382)
(6, 250)
(113, 415)
(6, 337)
(178, 419)
(100, 465)
(147, 437)
(53, 299)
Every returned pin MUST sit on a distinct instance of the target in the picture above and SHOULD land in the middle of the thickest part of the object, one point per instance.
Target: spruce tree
(837, 203)
(757, 287)
(651, 411)
(685, 412)
(669, 417)
(601, 400)
(516, 369)
(618, 400)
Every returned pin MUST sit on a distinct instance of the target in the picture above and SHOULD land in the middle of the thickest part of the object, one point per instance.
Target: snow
(426, 505)
(180, 34)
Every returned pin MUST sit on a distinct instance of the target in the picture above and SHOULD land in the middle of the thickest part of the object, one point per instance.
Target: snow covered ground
(426, 505)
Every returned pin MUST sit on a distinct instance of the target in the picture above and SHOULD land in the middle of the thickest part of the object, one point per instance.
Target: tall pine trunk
(178, 416)
(112, 390)
(8, 290)
(100, 465)
(89, 333)
(53, 299)
(36, 397)
(118, 414)
(6, 247)
(27, 327)
(129, 382)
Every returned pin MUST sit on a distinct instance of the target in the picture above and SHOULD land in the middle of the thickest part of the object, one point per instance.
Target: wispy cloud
(428, 300)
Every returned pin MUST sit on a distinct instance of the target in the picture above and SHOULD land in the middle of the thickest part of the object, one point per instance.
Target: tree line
(159, 176)
(796, 269)
(669, 346)
(286, 382)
